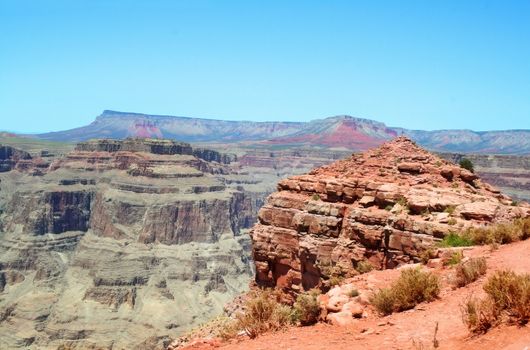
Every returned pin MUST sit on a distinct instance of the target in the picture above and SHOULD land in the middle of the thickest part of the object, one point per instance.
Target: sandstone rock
(342, 319)
(386, 205)
(413, 168)
(354, 308)
(336, 303)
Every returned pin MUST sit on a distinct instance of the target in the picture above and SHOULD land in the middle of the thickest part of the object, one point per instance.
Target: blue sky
(416, 64)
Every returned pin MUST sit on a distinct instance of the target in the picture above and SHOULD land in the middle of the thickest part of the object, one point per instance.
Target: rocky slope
(384, 206)
(418, 328)
(121, 244)
(342, 131)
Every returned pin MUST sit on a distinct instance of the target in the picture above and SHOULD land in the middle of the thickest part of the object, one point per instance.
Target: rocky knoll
(9, 157)
(384, 207)
(121, 244)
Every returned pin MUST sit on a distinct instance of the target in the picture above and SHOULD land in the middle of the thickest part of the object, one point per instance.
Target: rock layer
(121, 244)
(383, 207)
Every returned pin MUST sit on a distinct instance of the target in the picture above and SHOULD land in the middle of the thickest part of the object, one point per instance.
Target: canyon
(120, 244)
(129, 243)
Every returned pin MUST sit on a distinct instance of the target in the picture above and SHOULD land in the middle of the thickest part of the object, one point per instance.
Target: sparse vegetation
(450, 209)
(306, 309)
(451, 222)
(364, 266)
(469, 271)
(353, 293)
(315, 197)
(389, 207)
(426, 255)
(508, 298)
(456, 258)
(479, 315)
(467, 164)
(501, 233)
(412, 287)
(263, 313)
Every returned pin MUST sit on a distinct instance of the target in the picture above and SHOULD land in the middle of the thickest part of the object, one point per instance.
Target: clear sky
(417, 64)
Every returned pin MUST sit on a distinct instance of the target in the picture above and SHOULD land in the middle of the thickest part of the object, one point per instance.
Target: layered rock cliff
(121, 244)
(384, 206)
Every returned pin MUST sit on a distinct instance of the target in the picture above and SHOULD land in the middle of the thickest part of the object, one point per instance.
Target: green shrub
(470, 271)
(411, 288)
(456, 240)
(315, 197)
(467, 164)
(306, 309)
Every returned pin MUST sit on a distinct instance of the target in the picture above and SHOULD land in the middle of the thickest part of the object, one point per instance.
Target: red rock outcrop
(383, 207)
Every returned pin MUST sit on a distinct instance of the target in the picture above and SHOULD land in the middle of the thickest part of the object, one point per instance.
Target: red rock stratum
(384, 206)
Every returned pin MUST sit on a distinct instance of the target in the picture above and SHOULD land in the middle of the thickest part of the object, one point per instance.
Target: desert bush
(306, 309)
(364, 266)
(353, 293)
(467, 164)
(469, 271)
(426, 255)
(455, 259)
(479, 315)
(450, 209)
(383, 301)
(502, 233)
(411, 288)
(508, 297)
(510, 292)
(263, 313)
(456, 240)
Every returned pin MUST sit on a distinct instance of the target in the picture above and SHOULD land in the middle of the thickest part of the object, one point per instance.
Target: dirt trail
(413, 329)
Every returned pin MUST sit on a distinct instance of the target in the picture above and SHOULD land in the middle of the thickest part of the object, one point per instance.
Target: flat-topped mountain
(336, 132)
(384, 206)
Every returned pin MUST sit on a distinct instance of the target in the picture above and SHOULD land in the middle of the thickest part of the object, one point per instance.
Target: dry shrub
(364, 266)
(306, 309)
(511, 293)
(508, 294)
(263, 313)
(479, 315)
(502, 233)
(412, 287)
(469, 271)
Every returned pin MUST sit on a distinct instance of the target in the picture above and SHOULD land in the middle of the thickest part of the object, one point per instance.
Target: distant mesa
(145, 129)
(335, 132)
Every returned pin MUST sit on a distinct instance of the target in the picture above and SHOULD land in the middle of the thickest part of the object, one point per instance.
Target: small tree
(467, 164)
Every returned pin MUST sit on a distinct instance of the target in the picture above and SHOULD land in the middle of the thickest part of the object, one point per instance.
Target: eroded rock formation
(383, 206)
(121, 243)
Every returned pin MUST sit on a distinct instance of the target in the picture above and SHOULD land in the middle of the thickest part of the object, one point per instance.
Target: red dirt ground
(413, 329)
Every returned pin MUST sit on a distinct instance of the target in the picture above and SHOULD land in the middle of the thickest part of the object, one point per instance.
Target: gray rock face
(115, 246)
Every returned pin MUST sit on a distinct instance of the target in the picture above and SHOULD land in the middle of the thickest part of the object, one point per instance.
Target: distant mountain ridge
(336, 132)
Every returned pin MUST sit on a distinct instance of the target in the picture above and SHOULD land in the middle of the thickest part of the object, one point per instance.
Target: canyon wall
(121, 245)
